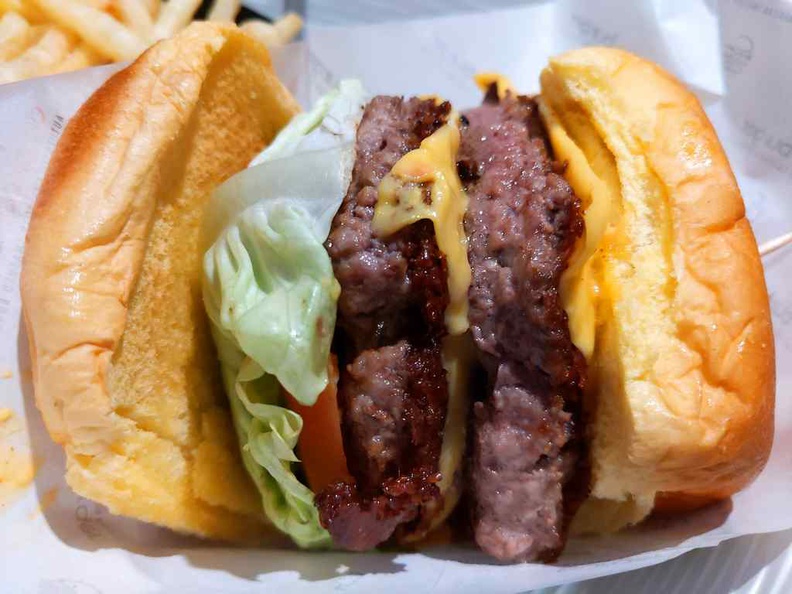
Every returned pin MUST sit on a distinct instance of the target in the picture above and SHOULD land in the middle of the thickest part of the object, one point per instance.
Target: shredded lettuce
(331, 122)
(271, 296)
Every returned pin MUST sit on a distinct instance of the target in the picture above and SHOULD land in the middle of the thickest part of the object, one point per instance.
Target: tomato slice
(320, 447)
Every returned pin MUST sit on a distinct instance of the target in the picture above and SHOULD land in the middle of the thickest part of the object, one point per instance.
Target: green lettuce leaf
(271, 296)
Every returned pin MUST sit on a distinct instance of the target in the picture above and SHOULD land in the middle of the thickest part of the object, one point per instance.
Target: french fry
(103, 5)
(31, 12)
(262, 31)
(38, 60)
(15, 35)
(135, 14)
(153, 7)
(22, 8)
(288, 26)
(174, 16)
(81, 56)
(97, 29)
(276, 34)
(224, 10)
(11, 6)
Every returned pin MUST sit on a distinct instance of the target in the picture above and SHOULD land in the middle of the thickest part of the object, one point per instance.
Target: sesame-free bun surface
(683, 369)
(125, 372)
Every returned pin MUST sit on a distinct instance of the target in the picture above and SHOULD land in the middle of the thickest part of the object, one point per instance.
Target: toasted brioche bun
(683, 369)
(124, 368)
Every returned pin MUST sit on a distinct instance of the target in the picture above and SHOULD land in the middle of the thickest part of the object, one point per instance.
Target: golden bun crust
(124, 368)
(683, 371)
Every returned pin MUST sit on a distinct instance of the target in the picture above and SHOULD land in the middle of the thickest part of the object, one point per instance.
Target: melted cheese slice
(502, 83)
(424, 184)
(592, 175)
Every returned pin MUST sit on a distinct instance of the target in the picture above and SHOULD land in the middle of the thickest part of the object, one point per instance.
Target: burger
(544, 314)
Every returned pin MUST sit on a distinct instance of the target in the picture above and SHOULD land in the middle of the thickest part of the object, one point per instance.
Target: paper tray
(57, 542)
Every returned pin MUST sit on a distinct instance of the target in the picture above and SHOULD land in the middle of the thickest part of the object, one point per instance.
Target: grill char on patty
(392, 390)
(525, 449)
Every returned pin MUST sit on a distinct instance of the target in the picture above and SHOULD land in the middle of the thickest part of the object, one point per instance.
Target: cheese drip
(424, 184)
(502, 83)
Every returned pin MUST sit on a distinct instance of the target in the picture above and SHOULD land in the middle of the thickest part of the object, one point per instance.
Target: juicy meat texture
(393, 391)
(374, 397)
(522, 222)
(377, 283)
(393, 400)
(522, 460)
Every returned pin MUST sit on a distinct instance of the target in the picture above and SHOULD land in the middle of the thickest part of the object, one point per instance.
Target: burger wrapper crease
(251, 292)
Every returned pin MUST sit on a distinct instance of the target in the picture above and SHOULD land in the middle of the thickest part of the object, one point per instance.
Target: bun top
(682, 366)
(124, 369)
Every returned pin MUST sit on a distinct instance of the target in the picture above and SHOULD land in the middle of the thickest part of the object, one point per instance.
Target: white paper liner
(735, 59)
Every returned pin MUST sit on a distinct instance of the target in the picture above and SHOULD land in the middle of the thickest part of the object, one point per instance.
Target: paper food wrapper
(732, 54)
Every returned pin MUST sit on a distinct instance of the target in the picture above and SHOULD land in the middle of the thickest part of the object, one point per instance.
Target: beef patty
(392, 389)
(522, 222)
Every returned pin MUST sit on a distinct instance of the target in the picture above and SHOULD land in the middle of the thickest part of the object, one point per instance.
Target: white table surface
(751, 564)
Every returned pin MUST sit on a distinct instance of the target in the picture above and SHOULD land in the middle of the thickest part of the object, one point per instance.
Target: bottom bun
(124, 367)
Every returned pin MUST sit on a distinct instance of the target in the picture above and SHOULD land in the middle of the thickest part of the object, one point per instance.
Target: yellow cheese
(502, 83)
(457, 353)
(436, 98)
(424, 184)
(592, 176)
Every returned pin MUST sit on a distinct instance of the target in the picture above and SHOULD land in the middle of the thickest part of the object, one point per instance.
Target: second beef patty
(522, 222)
